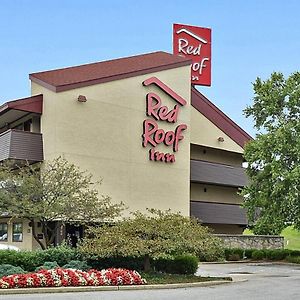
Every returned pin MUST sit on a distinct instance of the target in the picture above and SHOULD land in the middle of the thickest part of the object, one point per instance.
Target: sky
(250, 39)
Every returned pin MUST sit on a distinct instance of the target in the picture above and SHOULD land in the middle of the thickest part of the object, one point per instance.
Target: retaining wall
(252, 241)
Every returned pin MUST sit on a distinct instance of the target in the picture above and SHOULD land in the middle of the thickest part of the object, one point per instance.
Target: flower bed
(71, 277)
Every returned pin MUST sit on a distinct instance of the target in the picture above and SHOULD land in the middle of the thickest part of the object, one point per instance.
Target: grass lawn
(291, 238)
(162, 278)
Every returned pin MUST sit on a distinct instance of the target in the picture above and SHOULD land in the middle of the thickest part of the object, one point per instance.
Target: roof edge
(29, 104)
(219, 119)
(65, 87)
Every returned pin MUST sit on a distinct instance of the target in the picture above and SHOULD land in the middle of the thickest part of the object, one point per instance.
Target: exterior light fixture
(81, 98)
(220, 139)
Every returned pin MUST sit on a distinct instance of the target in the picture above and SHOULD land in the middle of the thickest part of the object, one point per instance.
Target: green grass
(291, 238)
(248, 232)
(162, 278)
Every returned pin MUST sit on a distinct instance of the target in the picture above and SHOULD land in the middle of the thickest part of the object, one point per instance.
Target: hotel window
(17, 232)
(27, 125)
(3, 232)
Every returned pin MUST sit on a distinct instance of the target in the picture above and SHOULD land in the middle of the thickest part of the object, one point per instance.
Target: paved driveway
(265, 281)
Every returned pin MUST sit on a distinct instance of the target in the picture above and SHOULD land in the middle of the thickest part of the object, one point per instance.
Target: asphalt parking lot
(264, 281)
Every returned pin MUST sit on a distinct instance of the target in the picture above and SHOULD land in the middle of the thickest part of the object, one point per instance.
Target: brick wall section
(252, 241)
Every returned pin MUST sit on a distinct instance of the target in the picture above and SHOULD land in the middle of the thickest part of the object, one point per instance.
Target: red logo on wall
(194, 43)
(152, 134)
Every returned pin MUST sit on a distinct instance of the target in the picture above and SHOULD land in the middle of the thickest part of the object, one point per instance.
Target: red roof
(95, 73)
(30, 104)
(217, 117)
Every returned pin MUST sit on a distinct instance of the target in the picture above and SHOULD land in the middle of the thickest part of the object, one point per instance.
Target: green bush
(248, 253)
(6, 269)
(186, 264)
(132, 263)
(61, 254)
(27, 260)
(154, 234)
(293, 259)
(30, 260)
(270, 254)
(292, 252)
(78, 265)
(183, 264)
(276, 254)
(234, 254)
(234, 257)
(216, 254)
(214, 251)
(258, 254)
(48, 265)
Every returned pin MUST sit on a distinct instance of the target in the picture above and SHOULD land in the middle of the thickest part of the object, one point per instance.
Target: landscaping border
(50, 290)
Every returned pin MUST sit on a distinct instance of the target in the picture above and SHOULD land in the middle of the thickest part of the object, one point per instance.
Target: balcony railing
(21, 146)
(217, 174)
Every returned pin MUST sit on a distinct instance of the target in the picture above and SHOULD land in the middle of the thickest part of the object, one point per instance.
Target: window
(17, 232)
(27, 125)
(3, 232)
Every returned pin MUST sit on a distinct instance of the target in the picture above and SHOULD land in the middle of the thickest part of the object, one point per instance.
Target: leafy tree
(153, 235)
(274, 156)
(54, 190)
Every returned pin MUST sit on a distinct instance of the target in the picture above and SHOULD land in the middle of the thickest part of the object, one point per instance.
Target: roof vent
(81, 98)
(220, 139)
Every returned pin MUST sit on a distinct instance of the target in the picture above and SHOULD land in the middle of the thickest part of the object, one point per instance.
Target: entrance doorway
(73, 234)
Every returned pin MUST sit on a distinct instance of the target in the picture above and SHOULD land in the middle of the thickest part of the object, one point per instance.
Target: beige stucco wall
(205, 133)
(28, 242)
(103, 136)
(213, 193)
(216, 155)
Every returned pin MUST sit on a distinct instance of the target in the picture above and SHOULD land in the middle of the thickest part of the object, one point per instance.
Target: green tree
(274, 156)
(151, 235)
(53, 191)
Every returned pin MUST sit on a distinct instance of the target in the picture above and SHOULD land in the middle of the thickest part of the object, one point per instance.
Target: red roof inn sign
(152, 134)
(194, 43)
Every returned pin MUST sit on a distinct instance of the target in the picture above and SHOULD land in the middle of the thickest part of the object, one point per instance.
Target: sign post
(195, 43)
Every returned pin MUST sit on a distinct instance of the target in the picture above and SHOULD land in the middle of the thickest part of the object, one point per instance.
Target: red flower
(70, 277)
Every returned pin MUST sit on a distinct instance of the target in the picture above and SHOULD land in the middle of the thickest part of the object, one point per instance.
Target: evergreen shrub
(6, 269)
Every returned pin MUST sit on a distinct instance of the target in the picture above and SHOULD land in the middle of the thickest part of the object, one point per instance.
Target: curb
(249, 261)
(226, 262)
(51, 290)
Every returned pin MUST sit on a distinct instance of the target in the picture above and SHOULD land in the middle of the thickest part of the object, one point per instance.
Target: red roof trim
(32, 104)
(217, 117)
(85, 75)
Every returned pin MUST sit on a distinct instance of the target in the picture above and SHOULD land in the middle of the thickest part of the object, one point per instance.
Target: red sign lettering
(195, 43)
(159, 112)
(152, 134)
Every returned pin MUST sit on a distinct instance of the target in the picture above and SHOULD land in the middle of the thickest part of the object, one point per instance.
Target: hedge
(131, 263)
(268, 254)
(184, 264)
(30, 260)
(66, 257)
(293, 259)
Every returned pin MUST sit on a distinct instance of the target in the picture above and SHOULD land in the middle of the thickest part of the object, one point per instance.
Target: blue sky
(249, 39)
